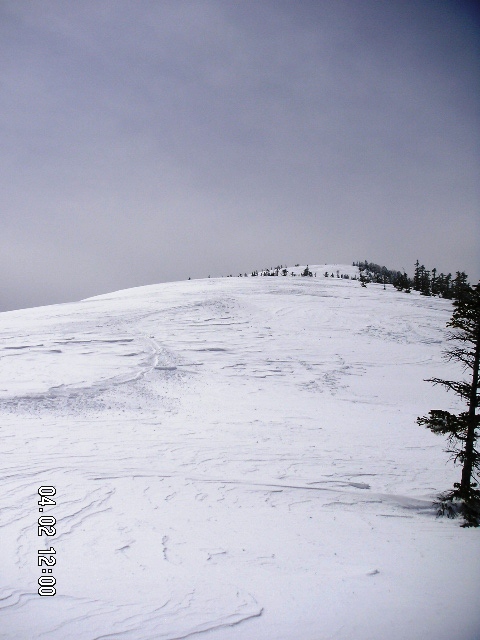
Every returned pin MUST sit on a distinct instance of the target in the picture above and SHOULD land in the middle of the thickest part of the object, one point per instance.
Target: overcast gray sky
(145, 141)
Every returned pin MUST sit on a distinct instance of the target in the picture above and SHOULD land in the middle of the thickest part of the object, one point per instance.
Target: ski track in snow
(235, 459)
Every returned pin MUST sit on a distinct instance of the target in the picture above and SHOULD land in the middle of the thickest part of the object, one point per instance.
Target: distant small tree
(462, 429)
(460, 285)
(402, 282)
(416, 277)
(363, 279)
(434, 282)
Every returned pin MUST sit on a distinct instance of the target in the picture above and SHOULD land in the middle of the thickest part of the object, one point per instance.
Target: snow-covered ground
(234, 459)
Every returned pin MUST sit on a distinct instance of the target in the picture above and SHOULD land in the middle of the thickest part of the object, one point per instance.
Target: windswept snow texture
(233, 458)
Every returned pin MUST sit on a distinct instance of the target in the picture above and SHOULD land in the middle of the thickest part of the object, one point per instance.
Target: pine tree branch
(462, 389)
(446, 423)
(461, 355)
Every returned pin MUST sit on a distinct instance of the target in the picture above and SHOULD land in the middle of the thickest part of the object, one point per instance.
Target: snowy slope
(238, 456)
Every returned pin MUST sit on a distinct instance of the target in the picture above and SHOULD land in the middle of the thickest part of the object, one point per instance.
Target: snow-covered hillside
(236, 456)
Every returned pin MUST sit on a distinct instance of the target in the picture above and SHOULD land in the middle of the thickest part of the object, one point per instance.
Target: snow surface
(234, 458)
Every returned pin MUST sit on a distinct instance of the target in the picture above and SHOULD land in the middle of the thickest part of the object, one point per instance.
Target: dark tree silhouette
(462, 429)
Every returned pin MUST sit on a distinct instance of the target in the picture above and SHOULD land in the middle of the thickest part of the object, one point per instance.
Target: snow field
(234, 458)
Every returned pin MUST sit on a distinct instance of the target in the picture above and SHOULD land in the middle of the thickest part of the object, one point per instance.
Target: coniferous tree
(416, 277)
(434, 282)
(444, 285)
(448, 286)
(402, 282)
(460, 285)
(363, 279)
(462, 429)
(424, 282)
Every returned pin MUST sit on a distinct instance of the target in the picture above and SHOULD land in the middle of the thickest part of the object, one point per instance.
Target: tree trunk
(467, 470)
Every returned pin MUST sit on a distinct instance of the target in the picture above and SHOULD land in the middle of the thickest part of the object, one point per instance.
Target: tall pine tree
(462, 430)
